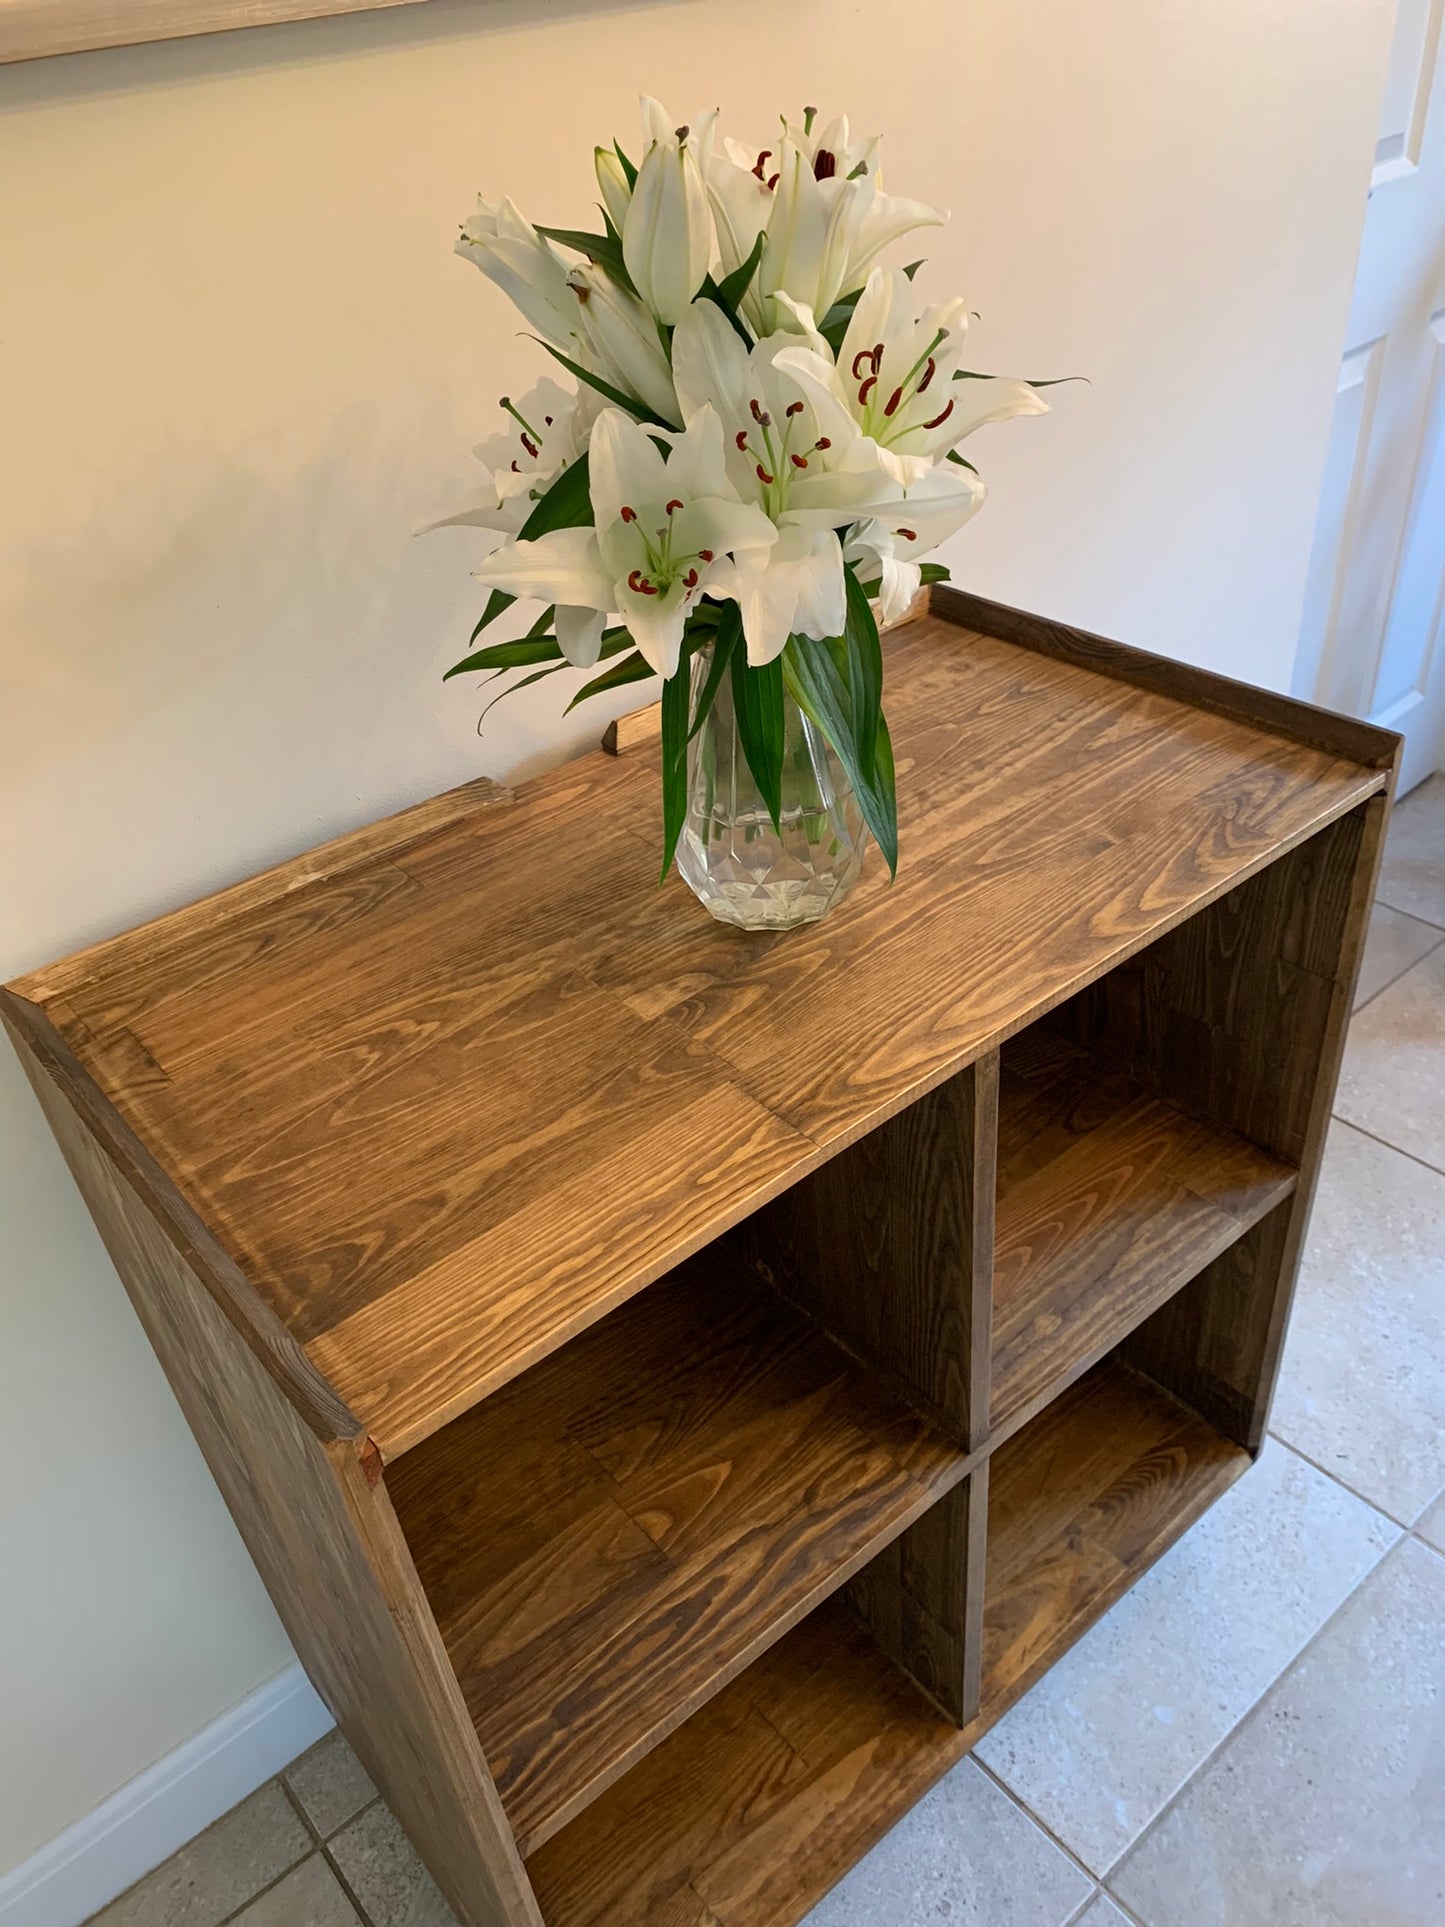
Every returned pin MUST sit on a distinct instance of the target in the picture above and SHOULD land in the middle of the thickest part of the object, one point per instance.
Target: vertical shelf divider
(889, 1247)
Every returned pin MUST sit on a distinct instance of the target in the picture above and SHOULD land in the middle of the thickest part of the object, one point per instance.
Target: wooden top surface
(449, 1090)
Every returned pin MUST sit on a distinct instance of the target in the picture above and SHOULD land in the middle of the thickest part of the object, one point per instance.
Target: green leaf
(729, 634)
(628, 169)
(954, 456)
(633, 668)
(674, 760)
(816, 685)
(604, 249)
(865, 671)
(930, 572)
(912, 269)
(834, 324)
(712, 292)
(521, 683)
(758, 704)
(497, 603)
(639, 410)
(734, 286)
(508, 655)
(1055, 381)
(543, 622)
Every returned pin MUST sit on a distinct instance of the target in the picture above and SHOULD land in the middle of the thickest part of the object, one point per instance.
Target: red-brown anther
(627, 514)
(940, 418)
(548, 420)
(741, 438)
(909, 535)
(758, 170)
(704, 555)
(795, 408)
(675, 503)
(823, 441)
(689, 581)
(530, 445)
(893, 401)
(871, 382)
(798, 461)
(825, 165)
(773, 179)
(928, 373)
(764, 477)
(863, 354)
(760, 415)
(639, 584)
(515, 469)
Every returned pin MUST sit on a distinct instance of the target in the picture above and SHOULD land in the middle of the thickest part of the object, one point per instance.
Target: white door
(1371, 641)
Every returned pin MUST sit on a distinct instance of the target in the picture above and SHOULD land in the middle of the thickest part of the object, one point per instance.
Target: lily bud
(509, 250)
(622, 339)
(612, 179)
(667, 238)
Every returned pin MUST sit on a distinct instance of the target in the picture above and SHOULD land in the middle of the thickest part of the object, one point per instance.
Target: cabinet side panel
(889, 1246)
(1263, 991)
(327, 1546)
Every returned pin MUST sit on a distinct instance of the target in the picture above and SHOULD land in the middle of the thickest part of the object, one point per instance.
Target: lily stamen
(938, 420)
(673, 505)
(628, 515)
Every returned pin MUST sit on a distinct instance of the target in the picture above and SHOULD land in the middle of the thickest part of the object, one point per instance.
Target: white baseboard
(161, 1809)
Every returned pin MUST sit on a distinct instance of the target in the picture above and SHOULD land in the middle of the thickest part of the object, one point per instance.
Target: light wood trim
(33, 29)
(1243, 702)
(45, 1054)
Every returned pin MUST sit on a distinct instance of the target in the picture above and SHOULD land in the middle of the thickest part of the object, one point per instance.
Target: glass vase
(742, 869)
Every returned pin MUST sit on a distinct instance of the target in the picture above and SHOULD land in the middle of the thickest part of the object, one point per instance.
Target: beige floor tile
(1107, 1738)
(1395, 941)
(1432, 1525)
(309, 1896)
(1412, 877)
(220, 1870)
(1101, 1912)
(382, 1870)
(1392, 1082)
(966, 1854)
(1325, 1809)
(330, 1783)
(1362, 1388)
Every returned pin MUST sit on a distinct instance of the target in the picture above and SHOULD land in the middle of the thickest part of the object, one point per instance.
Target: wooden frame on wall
(31, 29)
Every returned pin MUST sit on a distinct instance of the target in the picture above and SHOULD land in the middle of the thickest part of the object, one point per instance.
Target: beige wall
(237, 360)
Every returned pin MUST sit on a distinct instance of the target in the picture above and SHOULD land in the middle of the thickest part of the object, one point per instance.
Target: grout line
(1083, 1908)
(341, 1880)
(294, 1802)
(1338, 1117)
(1248, 1717)
(1042, 1825)
(1380, 989)
(270, 1887)
(1343, 1483)
(1135, 1920)
(1414, 915)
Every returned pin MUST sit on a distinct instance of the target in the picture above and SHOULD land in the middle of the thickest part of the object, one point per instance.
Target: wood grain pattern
(325, 1541)
(511, 1117)
(1325, 729)
(1109, 1201)
(1081, 1502)
(31, 29)
(613, 1537)
(752, 1810)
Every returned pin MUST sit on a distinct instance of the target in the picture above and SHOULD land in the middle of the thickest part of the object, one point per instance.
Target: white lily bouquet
(762, 446)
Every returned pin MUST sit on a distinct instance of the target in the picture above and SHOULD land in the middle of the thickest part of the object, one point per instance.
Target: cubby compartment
(1109, 1199)
(1080, 1501)
(613, 1536)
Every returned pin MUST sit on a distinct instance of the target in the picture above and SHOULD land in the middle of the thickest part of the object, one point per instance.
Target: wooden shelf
(1108, 1201)
(676, 1387)
(756, 1807)
(1080, 1502)
(607, 1541)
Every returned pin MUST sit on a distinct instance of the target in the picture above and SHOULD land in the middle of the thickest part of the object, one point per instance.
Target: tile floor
(1273, 1752)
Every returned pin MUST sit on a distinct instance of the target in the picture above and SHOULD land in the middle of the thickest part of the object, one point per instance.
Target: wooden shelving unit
(680, 1389)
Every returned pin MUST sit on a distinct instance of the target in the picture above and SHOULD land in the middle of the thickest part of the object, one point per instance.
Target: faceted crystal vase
(745, 871)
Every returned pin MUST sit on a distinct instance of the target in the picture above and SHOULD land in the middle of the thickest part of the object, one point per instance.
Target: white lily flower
(612, 180)
(663, 537)
(893, 378)
(667, 234)
(622, 341)
(873, 549)
(509, 250)
(794, 588)
(547, 430)
(828, 222)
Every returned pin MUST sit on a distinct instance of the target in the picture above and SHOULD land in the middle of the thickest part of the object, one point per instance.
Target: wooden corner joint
(369, 1456)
